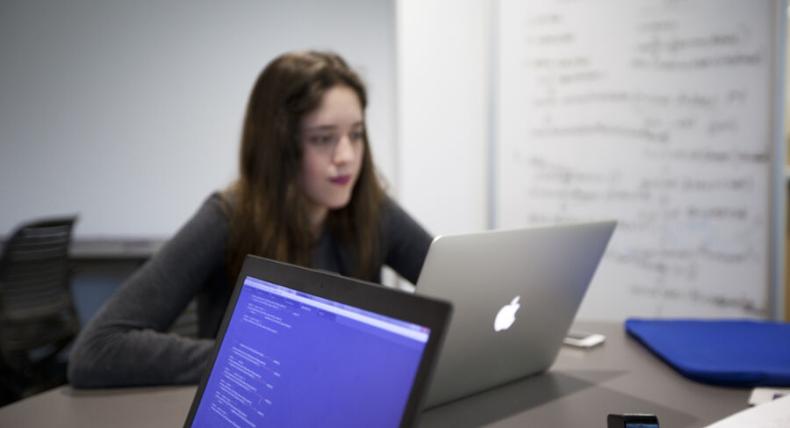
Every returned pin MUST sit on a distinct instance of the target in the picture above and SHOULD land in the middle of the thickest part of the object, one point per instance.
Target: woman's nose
(344, 150)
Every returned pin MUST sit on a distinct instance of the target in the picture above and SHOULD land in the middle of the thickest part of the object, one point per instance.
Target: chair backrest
(34, 284)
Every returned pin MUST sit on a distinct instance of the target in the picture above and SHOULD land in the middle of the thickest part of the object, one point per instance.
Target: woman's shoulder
(390, 210)
(214, 213)
(396, 221)
(220, 201)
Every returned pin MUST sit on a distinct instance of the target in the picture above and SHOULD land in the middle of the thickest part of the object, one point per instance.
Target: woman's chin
(339, 203)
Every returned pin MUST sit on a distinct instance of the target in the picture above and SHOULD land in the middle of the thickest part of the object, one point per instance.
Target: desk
(578, 391)
(99, 249)
(109, 249)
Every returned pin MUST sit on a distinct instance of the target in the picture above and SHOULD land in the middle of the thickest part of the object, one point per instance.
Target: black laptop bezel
(429, 312)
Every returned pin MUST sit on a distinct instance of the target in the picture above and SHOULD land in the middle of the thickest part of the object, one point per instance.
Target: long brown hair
(268, 214)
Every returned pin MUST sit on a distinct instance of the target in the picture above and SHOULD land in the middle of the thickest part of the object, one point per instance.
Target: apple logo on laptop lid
(507, 315)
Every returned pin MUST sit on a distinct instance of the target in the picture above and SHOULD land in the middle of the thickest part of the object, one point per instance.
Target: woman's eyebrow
(359, 124)
(321, 128)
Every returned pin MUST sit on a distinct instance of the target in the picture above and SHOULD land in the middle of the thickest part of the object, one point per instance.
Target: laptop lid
(514, 294)
(298, 347)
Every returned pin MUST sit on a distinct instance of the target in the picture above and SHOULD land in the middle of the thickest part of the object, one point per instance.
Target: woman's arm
(405, 241)
(125, 343)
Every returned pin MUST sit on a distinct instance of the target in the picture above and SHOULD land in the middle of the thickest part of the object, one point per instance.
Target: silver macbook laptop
(514, 293)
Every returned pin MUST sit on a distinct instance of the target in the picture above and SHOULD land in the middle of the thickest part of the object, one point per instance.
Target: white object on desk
(583, 339)
(775, 414)
(764, 395)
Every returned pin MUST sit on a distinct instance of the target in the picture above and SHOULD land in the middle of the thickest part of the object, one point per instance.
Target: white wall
(129, 112)
(443, 68)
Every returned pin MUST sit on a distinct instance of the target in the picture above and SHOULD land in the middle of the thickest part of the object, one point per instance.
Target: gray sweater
(125, 344)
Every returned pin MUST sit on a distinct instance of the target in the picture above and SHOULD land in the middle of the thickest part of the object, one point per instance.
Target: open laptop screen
(289, 358)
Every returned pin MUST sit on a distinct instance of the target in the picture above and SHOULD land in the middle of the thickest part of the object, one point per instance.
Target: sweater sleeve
(125, 343)
(405, 242)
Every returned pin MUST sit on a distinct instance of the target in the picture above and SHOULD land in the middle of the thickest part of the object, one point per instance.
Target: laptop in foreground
(300, 347)
(514, 295)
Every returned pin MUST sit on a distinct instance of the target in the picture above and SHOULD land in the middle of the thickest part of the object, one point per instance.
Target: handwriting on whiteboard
(655, 113)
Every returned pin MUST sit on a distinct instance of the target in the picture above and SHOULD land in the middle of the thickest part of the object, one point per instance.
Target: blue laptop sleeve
(723, 352)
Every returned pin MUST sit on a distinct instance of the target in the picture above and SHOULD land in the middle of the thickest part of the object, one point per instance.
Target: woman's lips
(341, 180)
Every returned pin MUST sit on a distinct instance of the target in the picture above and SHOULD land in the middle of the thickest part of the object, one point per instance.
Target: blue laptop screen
(293, 359)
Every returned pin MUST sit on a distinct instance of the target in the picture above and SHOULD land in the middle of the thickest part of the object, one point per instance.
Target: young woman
(307, 194)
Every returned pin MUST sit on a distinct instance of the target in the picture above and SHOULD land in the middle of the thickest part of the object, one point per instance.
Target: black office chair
(37, 315)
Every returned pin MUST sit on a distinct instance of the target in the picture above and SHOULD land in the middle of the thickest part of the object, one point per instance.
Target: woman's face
(332, 138)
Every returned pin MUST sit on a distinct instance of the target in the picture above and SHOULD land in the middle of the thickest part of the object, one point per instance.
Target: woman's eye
(322, 140)
(357, 136)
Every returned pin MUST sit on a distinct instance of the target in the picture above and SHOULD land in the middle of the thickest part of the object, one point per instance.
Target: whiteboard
(664, 115)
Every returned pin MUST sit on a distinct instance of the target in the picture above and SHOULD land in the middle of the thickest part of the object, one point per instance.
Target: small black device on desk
(631, 420)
